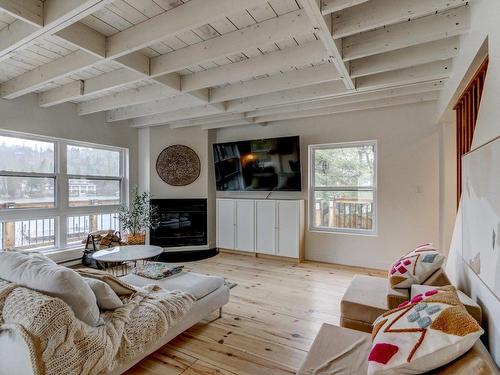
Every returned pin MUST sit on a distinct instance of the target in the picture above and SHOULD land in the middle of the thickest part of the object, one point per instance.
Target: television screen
(258, 165)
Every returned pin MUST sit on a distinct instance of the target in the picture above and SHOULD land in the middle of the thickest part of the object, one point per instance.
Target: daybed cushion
(106, 298)
(196, 284)
(37, 272)
(470, 305)
(365, 299)
(342, 351)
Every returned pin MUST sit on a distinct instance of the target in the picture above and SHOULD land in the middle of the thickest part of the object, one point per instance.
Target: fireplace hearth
(183, 223)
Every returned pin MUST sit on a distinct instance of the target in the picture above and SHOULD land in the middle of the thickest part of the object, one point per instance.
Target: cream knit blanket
(59, 343)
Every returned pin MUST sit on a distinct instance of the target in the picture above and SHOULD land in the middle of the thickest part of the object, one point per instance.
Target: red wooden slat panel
(467, 109)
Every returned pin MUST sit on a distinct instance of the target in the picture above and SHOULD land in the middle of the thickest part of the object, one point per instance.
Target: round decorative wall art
(178, 165)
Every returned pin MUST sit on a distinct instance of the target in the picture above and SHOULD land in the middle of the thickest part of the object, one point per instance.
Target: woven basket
(137, 239)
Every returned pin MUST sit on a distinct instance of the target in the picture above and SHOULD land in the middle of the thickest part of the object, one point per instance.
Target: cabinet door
(226, 222)
(245, 225)
(265, 222)
(288, 228)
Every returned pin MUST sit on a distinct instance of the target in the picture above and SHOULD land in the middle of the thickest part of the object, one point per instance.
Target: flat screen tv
(271, 164)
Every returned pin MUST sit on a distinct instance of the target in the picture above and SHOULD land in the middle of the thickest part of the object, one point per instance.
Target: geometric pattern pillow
(415, 267)
(427, 332)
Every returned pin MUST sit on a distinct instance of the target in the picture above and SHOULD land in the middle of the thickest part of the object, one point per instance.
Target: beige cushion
(396, 296)
(365, 299)
(438, 278)
(329, 350)
(471, 306)
(336, 350)
(39, 273)
(106, 298)
(196, 284)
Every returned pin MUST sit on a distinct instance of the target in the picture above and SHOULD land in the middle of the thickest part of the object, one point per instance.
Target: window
(53, 192)
(343, 180)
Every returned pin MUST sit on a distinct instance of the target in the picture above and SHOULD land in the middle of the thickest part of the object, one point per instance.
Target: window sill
(65, 255)
(347, 232)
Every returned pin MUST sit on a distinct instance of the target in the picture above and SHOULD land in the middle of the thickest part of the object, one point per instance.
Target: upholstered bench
(337, 350)
(368, 297)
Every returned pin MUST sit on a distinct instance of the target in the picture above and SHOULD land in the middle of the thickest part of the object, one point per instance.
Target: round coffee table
(115, 260)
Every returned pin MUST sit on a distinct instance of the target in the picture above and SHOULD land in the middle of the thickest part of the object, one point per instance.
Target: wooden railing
(345, 214)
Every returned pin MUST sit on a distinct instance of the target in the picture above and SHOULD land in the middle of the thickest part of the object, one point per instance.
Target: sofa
(208, 293)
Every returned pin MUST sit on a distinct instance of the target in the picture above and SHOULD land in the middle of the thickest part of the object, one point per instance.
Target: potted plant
(138, 217)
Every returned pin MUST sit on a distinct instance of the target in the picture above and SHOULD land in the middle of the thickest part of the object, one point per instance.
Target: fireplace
(183, 223)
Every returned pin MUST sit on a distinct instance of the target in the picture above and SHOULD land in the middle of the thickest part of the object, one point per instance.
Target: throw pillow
(415, 267)
(106, 298)
(37, 272)
(422, 334)
(156, 270)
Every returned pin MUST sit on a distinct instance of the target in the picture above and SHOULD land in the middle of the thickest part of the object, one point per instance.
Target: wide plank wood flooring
(273, 315)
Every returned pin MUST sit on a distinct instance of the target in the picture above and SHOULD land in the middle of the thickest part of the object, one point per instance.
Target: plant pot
(137, 239)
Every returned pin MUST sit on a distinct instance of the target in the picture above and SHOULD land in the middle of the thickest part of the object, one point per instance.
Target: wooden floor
(267, 327)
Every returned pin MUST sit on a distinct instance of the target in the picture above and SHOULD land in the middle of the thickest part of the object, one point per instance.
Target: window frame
(313, 189)
(61, 210)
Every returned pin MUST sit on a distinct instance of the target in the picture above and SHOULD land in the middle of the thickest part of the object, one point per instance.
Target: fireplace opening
(183, 222)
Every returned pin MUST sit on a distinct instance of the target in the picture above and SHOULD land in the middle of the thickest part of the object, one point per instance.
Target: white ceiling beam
(425, 72)
(164, 118)
(270, 63)
(58, 14)
(331, 6)
(154, 107)
(44, 74)
(372, 104)
(193, 14)
(209, 120)
(214, 124)
(273, 30)
(406, 57)
(125, 98)
(380, 13)
(349, 98)
(50, 98)
(422, 30)
(281, 81)
(322, 25)
(83, 37)
(30, 11)
(321, 90)
(227, 124)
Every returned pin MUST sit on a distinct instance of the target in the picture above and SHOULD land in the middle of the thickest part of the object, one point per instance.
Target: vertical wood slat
(467, 110)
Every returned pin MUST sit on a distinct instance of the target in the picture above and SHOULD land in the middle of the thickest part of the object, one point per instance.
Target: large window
(343, 180)
(53, 192)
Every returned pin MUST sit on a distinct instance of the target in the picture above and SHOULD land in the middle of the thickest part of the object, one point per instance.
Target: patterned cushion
(422, 334)
(415, 267)
(156, 270)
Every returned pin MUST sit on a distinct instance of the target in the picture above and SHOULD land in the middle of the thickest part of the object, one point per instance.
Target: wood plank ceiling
(219, 63)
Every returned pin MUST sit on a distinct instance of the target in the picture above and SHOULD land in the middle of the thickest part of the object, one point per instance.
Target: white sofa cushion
(106, 298)
(196, 284)
(37, 272)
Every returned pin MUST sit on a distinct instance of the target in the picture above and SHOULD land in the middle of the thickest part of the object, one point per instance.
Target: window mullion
(62, 194)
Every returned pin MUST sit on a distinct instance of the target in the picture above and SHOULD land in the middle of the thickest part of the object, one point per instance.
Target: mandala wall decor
(178, 165)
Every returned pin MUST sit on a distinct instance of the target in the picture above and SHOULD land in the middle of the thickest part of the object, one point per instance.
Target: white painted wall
(485, 32)
(200, 141)
(408, 178)
(25, 115)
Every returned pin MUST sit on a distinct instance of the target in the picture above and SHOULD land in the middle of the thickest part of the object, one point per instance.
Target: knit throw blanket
(59, 343)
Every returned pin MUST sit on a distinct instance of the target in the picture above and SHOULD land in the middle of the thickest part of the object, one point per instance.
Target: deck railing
(344, 214)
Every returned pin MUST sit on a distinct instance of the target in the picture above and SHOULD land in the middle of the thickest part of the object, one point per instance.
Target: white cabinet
(265, 213)
(288, 228)
(226, 223)
(245, 225)
(273, 227)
